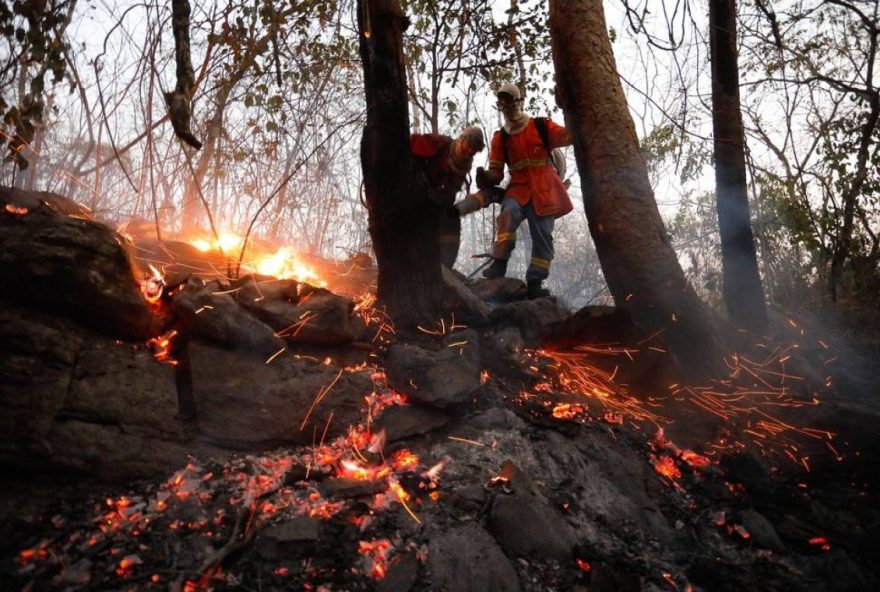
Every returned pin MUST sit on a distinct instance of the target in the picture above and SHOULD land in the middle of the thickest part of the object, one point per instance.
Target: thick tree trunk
(639, 264)
(743, 293)
(403, 212)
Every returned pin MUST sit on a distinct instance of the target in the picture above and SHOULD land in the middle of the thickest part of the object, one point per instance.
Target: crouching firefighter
(446, 162)
(536, 192)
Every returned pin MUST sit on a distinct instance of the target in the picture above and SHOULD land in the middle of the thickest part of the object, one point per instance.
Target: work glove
(469, 204)
(482, 179)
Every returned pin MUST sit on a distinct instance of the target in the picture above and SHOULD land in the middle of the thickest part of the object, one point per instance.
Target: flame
(16, 210)
(225, 241)
(153, 285)
(285, 265)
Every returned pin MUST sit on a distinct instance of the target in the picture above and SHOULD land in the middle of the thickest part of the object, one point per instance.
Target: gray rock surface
(300, 313)
(208, 313)
(242, 402)
(444, 376)
(405, 421)
(54, 258)
(467, 559)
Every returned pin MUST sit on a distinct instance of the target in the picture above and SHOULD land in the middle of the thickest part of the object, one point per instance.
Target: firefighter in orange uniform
(536, 192)
(446, 163)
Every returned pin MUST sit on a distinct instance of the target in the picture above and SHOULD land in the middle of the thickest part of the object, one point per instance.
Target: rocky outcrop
(55, 258)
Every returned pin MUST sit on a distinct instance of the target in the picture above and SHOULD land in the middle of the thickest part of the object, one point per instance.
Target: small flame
(153, 285)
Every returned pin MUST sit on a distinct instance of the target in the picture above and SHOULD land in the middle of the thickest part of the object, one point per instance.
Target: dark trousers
(540, 228)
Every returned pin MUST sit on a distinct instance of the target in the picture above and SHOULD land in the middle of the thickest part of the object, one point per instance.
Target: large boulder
(55, 258)
(461, 301)
(209, 312)
(75, 399)
(525, 524)
(298, 312)
(467, 559)
(499, 290)
(242, 402)
(444, 375)
(534, 318)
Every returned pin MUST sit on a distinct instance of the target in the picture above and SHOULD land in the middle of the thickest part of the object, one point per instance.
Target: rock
(506, 348)
(347, 488)
(524, 523)
(55, 258)
(403, 572)
(405, 421)
(299, 312)
(37, 358)
(499, 290)
(842, 573)
(242, 402)
(495, 419)
(216, 317)
(533, 317)
(78, 400)
(606, 578)
(468, 499)
(448, 375)
(461, 301)
(762, 532)
(593, 324)
(467, 559)
(279, 541)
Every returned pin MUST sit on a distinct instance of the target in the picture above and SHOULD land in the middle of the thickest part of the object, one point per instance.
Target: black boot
(497, 269)
(535, 290)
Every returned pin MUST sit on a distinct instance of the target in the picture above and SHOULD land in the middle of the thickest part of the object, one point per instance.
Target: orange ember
(377, 551)
(665, 465)
(161, 348)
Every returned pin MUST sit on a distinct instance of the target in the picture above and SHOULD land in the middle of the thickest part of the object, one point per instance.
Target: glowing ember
(404, 460)
(377, 553)
(566, 411)
(285, 265)
(583, 565)
(161, 348)
(665, 465)
(820, 542)
(16, 210)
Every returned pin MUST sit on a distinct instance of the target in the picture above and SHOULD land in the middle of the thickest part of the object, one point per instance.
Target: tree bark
(635, 253)
(743, 292)
(403, 212)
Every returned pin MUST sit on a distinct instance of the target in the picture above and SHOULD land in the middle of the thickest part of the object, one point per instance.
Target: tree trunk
(743, 293)
(638, 262)
(403, 213)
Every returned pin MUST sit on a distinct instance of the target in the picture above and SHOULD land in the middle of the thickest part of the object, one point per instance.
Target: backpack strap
(541, 125)
(505, 138)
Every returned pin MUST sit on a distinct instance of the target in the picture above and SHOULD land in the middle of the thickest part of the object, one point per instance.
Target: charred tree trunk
(403, 214)
(638, 261)
(743, 293)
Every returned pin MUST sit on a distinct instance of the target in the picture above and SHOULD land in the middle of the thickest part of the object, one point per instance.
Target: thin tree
(640, 266)
(742, 289)
(403, 216)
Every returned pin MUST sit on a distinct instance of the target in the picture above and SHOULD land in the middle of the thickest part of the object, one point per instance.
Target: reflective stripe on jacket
(532, 176)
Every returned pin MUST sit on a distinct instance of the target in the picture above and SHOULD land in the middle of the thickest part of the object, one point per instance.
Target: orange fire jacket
(532, 176)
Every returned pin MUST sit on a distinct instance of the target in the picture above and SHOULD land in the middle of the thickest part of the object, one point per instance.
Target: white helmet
(511, 89)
